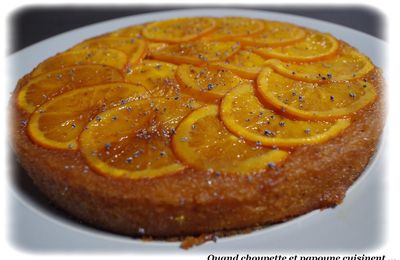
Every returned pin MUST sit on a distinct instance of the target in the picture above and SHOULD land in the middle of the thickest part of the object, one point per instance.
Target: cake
(197, 125)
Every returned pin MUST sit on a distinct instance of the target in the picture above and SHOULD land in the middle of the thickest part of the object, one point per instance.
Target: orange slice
(348, 65)
(206, 84)
(311, 100)
(229, 28)
(244, 63)
(203, 142)
(133, 140)
(155, 46)
(313, 47)
(125, 44)
(178, 30)
(275, 34)
(244, 115)
(197, 53)
(48, 85)
(57, 123)
(130, 32)
(156, 76)
(111, 57)
(134, 48)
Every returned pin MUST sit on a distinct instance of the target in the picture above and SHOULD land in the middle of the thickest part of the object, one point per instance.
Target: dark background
(32, 24)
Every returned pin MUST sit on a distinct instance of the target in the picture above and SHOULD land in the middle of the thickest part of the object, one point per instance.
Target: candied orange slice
(155, 46)
(229, 28)
(275, 34)
(196, 53)
(178, 30)
(244, 63)
(156, 76)
(348, 65)
(48, 85)
(313, 47)
(58, 122)
(203, 142)
(125, 44)
(133, 140)
(206, 84)
(130, 32)
(110, 57)
(134, 48)
(244, 115)
(311, 100)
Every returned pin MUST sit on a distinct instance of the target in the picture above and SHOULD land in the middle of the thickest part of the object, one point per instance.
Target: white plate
(355, 224)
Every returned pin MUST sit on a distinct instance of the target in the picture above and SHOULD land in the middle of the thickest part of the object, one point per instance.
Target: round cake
(198, 125)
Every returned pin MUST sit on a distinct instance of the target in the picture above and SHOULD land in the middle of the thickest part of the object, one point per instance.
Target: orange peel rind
(314, 47)
(40, 89)
(314, 101)
(110, 57)
(203, 142)
(57, 123)
(245, 116)
(120, 145)
(347, 65)
(179, 29)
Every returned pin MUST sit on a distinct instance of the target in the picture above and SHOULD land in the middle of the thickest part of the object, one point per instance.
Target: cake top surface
(231, 95)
